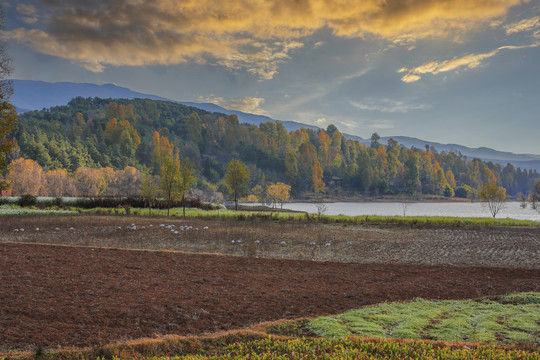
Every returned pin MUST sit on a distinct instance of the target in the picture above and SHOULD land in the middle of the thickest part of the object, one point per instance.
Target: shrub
(463, 191)
(448, 191)
(27, 200)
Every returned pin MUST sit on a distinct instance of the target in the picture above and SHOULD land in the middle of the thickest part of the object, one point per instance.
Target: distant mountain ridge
(36, 95)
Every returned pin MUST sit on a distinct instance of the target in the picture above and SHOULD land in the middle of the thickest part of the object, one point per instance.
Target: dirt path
(73, 296)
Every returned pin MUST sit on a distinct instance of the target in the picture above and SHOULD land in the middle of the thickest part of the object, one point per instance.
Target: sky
(455, 71)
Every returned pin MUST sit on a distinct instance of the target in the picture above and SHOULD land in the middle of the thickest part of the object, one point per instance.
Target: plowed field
(62, 296)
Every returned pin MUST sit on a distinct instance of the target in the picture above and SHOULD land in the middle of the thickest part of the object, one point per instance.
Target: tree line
(118, 134)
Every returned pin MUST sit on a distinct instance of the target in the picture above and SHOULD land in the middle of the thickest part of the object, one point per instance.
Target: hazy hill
(36, 95)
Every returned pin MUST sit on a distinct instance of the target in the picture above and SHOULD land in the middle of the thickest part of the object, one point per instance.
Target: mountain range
(37, 95)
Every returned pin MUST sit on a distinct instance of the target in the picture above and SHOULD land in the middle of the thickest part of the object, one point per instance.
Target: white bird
(18, 230)
(71, 228)
(313, 243)
(283, 243)
(176, 232)
(205, 228)
(21, 229)
(57, 229)
(257, 241)
(327, 244)
(37, 229)
(143, 227)
(231, 241)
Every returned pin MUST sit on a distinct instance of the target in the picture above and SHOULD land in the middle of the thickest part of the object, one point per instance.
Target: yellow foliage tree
(493, 196)
(278, 193)
(89, 182)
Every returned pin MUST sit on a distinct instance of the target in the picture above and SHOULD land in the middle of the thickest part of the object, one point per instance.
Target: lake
(458, 209)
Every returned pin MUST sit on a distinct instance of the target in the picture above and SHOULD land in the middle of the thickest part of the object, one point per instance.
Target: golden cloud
(469, 61)
(523, 25)
(256, 36)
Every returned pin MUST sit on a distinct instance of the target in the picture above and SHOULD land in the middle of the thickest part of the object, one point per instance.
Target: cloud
(320, 121)
(26, 9)
(380, 124)
(386, 105)
(239, 34)
(246, 104)
(29, 20)
(523, 25)
(469, 61)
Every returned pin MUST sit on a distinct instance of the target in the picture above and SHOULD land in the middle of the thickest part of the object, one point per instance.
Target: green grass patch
(504, 320)
(417, 221)
(17, 210)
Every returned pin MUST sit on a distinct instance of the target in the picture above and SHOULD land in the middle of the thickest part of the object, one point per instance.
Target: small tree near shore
(236, 179)
(279, 193)
(493, 196)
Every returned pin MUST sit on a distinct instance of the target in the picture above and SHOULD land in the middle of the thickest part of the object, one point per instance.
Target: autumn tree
(25, 177)
(149, 190)
(58, 183)
(493, 196)
(291, 166)
(258, 193)
(123, 135)
(186, 179)
(8, 115)
(169, 178)
(128, 181)
(278, 193)
(236, 179)
(89, 182)
(161, 148)
(317, 178)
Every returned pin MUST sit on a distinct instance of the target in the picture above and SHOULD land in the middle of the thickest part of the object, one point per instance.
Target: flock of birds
(175, 230)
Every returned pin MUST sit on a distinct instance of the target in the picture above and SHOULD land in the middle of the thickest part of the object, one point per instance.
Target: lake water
(459, 209)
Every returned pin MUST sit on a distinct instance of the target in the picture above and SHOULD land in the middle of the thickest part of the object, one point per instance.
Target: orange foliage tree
(317, 178)
(25, 177)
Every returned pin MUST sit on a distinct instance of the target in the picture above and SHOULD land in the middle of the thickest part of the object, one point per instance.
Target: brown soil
(58, 296)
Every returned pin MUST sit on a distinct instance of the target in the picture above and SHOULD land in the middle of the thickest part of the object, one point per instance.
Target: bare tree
(321, 206)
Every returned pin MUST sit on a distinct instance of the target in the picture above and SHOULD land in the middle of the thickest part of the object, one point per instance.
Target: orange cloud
(253, 36)
(469, 61)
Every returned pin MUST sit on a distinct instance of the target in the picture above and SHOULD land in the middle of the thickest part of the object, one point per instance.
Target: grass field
(296, 216)
(504, 320)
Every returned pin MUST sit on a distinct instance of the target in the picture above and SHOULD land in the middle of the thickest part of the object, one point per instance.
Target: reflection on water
(461, 209)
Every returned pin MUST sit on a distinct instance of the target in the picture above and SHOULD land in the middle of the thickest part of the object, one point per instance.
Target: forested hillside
(100, 133)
